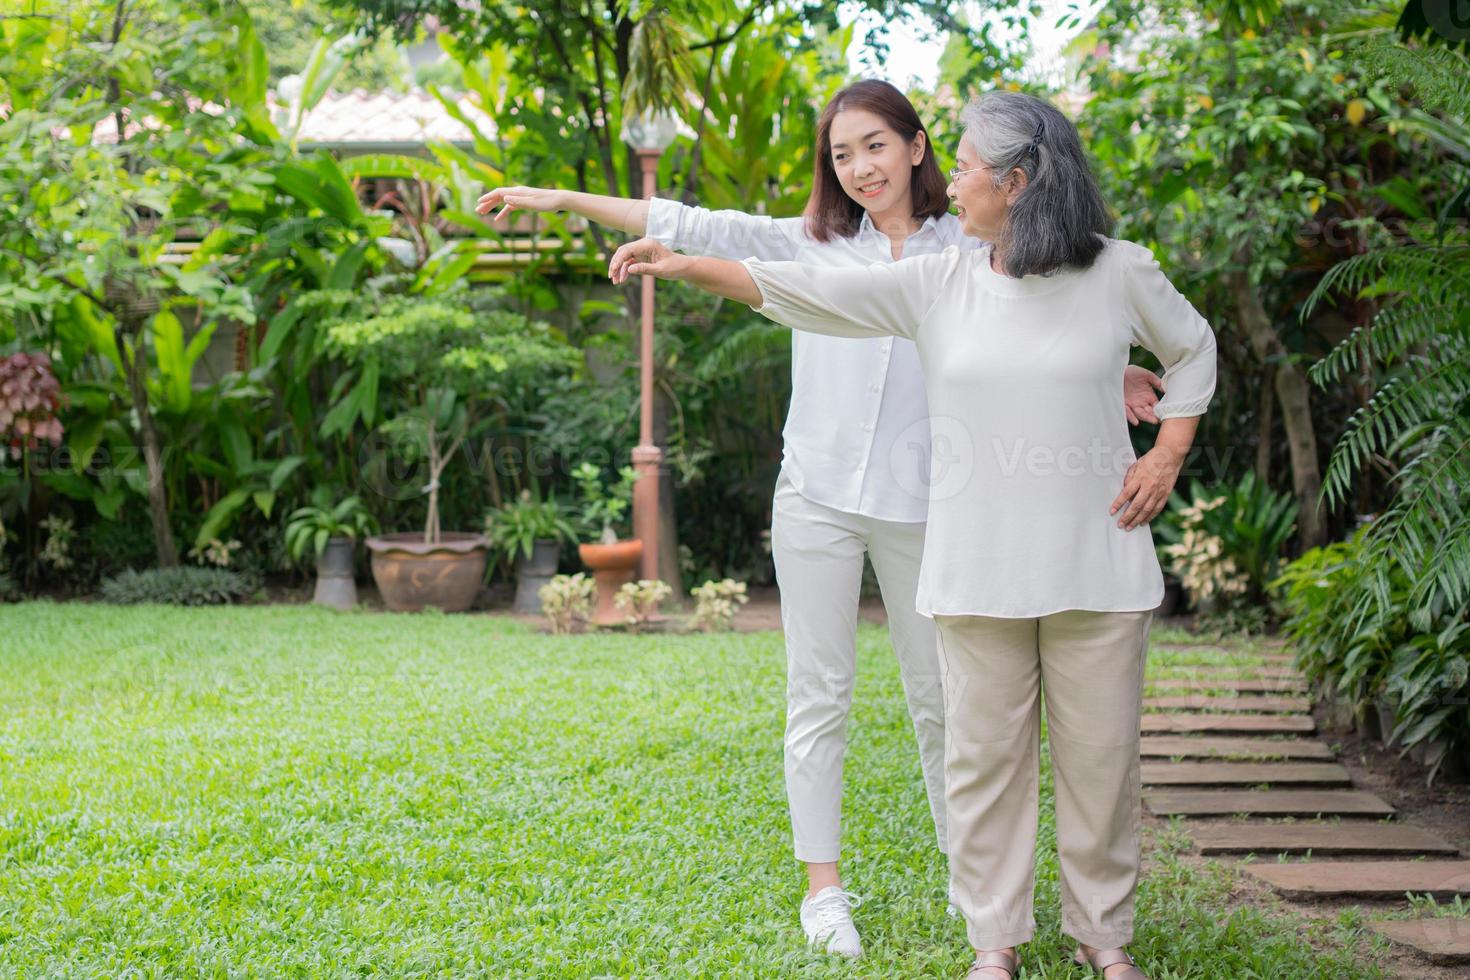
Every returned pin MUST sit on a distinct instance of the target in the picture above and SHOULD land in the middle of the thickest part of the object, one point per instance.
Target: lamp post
(649, 134)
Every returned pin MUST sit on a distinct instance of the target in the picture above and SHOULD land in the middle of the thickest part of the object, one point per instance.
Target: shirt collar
(866, 227)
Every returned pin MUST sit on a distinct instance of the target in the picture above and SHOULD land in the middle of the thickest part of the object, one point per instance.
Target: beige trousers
(1090, 665)
(819, 567)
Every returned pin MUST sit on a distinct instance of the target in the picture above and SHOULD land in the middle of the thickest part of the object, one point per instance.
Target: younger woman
(856, 456)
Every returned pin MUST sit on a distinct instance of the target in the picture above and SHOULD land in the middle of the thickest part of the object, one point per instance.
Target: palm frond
(1406, 326)
(758, 344)
(1427, 396)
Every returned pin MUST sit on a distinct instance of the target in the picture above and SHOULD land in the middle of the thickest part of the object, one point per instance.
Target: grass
(290, 792)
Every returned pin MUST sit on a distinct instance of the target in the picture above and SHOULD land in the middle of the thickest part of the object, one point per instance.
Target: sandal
(994, 959)
(1104, 958)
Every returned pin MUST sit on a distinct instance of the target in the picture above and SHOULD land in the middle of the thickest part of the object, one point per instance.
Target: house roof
(375, 118)
(363, 119)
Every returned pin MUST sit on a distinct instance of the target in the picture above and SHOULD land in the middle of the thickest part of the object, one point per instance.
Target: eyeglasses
(955, 172)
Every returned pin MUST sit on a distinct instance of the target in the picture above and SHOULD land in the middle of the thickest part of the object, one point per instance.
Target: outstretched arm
(622, 213)
(879, 300)
(723, 234)
(647, 257)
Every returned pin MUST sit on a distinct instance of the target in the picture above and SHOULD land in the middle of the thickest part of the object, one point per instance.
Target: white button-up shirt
(857, 431)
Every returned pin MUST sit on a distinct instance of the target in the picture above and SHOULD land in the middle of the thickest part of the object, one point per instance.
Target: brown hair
(830, 212)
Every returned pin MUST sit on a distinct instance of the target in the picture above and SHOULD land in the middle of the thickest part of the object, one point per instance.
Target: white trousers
(818, 553)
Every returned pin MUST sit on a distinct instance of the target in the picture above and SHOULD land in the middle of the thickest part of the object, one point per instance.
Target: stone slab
(1211, 671)
(1211, 648)
(1245, 774)
(1222, 723)
(1354, 837)
(1442, 940)
(1245, 702)
(1239, 685)
(1267, 802)
(1197, 747)
(1365, 879)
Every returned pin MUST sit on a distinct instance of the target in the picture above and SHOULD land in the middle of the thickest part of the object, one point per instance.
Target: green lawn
(285, 791)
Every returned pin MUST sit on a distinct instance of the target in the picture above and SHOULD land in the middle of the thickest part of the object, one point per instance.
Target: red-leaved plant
(29, 398)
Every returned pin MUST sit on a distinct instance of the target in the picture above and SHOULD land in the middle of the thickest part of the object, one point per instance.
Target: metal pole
(647, 457)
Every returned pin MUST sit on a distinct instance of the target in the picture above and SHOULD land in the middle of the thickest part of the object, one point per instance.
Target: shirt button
(868, 427)
(874, 388)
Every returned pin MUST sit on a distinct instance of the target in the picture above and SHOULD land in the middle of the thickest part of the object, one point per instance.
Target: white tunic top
(857, 432)
(1030, 439)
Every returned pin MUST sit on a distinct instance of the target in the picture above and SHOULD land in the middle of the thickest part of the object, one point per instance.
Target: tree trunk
(1293, 394)
(163, 536)
(1266, 422)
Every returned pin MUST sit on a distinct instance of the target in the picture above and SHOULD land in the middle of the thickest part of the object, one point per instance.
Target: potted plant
(329, 532)
(442, 357)
(528, 533)
(613, 561)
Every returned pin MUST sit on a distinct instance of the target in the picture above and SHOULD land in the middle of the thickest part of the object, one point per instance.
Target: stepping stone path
(1366, 879)
(1218, 672)
(1318, 837)
(1206, 747)
(1205, 756)
(1442, 940)
(1245, 774)
(1272, 802)
(1220, 723)
(1245, 702)
(1283, 686)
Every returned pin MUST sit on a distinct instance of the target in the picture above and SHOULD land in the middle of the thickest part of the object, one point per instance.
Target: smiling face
(981, 205)
(874, 164)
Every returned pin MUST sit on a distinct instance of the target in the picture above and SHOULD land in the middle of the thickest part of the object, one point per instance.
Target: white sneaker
(827, 919)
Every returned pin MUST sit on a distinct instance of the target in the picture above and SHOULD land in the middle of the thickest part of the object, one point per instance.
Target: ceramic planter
(533, 572)
(613, 565)
(412, 575)
(335, 585)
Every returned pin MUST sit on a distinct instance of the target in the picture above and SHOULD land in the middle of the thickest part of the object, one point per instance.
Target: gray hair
(1059, 219)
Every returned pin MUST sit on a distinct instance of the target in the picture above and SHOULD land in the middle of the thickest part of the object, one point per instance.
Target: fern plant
(1384, 614)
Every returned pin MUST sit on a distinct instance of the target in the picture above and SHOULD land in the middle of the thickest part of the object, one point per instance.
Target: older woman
(1031, 569)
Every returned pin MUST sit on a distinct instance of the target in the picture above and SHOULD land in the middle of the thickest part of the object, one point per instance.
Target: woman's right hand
(510, 199)
(647, 257)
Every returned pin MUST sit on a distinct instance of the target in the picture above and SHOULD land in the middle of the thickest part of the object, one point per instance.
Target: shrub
(1414, 657)
(566, 600)
(1225, 545)
(515, 527)
(184, 586)
(309, 528)
(716, 604)
(640, 599)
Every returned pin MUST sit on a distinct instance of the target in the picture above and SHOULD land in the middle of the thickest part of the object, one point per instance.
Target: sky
(913, 61)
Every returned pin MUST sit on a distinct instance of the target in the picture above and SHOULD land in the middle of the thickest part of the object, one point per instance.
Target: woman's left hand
(1146, 487)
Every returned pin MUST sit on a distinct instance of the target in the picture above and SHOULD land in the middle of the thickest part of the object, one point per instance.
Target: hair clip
(1036, 140)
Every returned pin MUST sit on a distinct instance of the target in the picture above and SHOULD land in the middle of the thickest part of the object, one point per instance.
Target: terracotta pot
(613, 565)
(335, 586)
(412, 575)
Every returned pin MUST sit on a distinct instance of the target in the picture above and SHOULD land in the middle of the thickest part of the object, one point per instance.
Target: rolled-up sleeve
(1169, 326)
(890, 298)
(722, 234)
